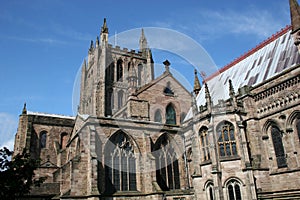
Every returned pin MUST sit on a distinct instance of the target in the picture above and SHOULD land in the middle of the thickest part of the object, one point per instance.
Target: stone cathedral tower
(107, 73)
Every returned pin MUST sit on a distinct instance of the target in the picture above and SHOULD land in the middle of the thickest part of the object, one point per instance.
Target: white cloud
(206, 24)
(8, 128)
(256, 22)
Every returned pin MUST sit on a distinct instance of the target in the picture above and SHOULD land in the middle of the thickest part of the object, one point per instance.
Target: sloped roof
(269, 58)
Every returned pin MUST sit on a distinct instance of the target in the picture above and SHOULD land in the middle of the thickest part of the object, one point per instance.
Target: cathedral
(236, 137)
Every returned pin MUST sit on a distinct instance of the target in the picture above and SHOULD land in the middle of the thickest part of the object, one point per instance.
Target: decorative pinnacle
(24, 111)
(197, 86)
(104, 28)
(207, 95)
(231, 89)
(167, 65)
(295, 15)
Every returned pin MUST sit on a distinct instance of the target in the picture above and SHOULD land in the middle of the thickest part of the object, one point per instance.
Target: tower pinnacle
(104, 33)
(197, 86)
(143, 41)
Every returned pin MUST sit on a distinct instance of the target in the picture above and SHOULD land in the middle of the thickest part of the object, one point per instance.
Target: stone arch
(120, 163)
(226, 181)
(292, 117)
(268, 124)
(234, 188)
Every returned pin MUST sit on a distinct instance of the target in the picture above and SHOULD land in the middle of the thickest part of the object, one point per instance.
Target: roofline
(250, 52)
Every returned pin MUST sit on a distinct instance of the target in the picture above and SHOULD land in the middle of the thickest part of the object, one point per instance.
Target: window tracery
(226, 140)
(167, 165)
(120, 164)
(234, 191)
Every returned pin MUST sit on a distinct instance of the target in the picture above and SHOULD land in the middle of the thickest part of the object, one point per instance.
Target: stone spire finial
(208, 98)
(231, 89)
(91, 45)
(295, 15)
(197, 86)
(167, 65)
(104, 28)
(104, 34)
(143, 41)
(24, 111)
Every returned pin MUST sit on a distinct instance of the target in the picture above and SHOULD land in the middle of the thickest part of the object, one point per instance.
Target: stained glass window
(167, 173)
(226, 140)
(120, 164)
(170, 115)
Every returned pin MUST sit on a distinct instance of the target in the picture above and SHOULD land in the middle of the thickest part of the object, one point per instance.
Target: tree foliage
(16, 174)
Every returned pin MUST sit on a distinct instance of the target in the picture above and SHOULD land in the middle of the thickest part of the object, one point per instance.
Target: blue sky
(43, 42)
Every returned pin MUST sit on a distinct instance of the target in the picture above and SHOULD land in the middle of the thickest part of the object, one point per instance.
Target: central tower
(108, 72)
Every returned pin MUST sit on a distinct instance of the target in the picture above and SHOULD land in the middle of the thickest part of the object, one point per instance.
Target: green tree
(16, 174)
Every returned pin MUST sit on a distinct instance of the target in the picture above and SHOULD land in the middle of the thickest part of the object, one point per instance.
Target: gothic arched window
(168, 90)
(204, 144)
(278, 147)
(120, 165)
(63, 140)
(226, 140)
(119, 70)
(298, 126)
(140, 68)
(234, 190)
(120, 99)
(170, 115)
(43, 139)
(167, 173)
(210, 191)
(157, 116)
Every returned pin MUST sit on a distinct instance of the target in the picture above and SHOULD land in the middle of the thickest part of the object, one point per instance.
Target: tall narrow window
(170, 115)
(278, 147)
(63, 140)
(234, 191)
(204, 144)
(140, 68)
(298, 127)
(120, 99)
(119, 70)
(109, 73)
(120, 164)
(43, 139)
(167, 165)
(157, 116)
(210, 191)
(226, 140)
